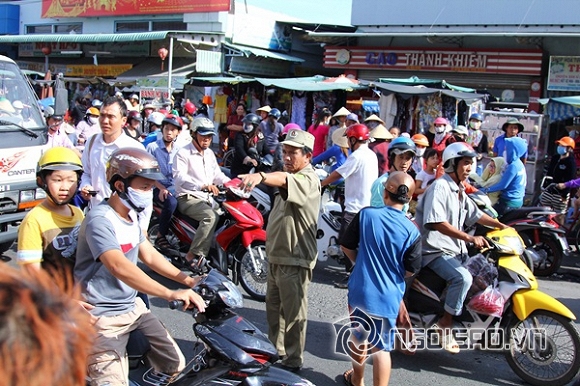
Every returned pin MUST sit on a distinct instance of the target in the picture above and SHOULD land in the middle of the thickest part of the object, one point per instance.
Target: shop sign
(446, 60)
(87, 8)
(251, 66)
(29, 50)
(564, 73)
(154, 94)
(89, 70)
(138, 48)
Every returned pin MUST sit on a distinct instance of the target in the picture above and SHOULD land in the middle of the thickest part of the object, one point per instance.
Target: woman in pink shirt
(319, 129)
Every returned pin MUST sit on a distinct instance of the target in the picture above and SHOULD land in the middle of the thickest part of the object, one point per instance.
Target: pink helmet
(440, 121)
(290, 126)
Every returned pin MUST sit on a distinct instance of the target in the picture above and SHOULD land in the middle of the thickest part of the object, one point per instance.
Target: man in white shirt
(359, 171)
(98, 149)
(196, 174)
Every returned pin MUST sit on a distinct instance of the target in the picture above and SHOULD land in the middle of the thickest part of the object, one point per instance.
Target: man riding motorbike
(442, 213)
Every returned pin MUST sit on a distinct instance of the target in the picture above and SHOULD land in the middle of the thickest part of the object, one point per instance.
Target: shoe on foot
(447, 341)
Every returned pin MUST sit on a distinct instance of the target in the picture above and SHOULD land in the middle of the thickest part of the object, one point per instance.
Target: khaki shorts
(108, 363)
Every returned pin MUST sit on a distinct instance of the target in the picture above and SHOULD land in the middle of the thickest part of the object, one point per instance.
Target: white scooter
(329, 219)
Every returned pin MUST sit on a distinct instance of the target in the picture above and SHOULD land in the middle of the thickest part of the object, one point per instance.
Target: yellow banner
(87, 70)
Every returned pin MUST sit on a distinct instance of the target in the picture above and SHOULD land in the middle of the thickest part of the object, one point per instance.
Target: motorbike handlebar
(176, 304)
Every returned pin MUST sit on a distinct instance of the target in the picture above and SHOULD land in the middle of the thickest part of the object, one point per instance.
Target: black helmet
(251, 122)
(275, 113)
(174, 120)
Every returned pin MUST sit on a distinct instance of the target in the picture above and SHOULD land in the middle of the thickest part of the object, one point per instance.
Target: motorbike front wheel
(544, 349)
(254, 278)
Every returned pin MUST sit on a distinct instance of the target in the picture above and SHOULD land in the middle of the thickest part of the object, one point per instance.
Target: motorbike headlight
(232, 297)
(512, 244)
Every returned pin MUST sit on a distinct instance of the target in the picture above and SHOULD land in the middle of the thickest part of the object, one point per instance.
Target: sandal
(347, 377)
(162, 242)
(447, 341)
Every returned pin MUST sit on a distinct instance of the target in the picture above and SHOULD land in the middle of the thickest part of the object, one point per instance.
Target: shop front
(513, 76)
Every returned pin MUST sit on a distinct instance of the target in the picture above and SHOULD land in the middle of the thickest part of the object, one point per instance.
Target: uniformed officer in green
(291, 245)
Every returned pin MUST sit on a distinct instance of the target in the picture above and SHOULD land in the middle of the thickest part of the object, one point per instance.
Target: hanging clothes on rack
(299, 109)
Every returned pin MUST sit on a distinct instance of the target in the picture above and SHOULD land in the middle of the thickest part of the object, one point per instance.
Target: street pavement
(323, 365)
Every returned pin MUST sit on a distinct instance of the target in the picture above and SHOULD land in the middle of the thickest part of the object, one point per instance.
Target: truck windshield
(18, 106)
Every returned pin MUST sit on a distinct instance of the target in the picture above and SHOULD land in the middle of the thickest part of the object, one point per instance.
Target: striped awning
(94, 38)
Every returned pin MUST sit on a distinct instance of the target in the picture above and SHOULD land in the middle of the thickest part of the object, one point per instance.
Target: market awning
(408, 91)
(92, 38)
(313, 83)
(433, 83)
(150, 74)
(561, 108)
(248, 51)
(217, 80)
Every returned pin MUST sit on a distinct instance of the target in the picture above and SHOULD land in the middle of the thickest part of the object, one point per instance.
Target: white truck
(23, 135)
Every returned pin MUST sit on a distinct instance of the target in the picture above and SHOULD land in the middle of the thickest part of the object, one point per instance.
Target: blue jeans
(449, 268)
(169, 206)
(503, 206)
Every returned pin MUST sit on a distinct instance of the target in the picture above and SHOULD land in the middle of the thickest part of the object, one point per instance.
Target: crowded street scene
(245, 193)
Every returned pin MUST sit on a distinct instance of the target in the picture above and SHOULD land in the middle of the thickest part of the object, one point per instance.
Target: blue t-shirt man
(388, 245)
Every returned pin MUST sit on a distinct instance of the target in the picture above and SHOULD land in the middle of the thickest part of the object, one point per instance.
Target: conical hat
(375, 118)
(338, 137)
(342, 112)
(381, 132)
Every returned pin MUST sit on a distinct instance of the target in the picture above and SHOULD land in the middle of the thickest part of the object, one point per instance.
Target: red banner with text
(87, 8)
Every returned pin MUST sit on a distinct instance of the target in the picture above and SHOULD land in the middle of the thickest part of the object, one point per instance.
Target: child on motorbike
(425, 176)
(47, 237)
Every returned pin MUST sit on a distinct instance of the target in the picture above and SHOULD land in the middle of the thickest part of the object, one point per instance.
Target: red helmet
(133, 114)
(190, 108)
(358, 131)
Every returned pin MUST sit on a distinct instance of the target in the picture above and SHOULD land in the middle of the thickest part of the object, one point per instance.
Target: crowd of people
(117, 158)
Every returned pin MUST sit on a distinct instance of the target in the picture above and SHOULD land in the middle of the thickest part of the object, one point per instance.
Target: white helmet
(203, 126)
(156, 118)
(454, 151)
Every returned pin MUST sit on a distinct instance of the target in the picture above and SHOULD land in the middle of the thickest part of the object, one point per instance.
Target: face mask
(439, 129)
(562, 150)
(472, 125)
(139, 199)
(420, 152)
(93, 120)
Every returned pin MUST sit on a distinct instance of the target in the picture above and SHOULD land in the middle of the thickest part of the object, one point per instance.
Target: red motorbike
(239, 243)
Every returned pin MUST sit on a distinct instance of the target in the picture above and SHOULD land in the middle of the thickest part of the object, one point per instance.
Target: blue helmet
(476, 116)
(402, 145)
(275, 113)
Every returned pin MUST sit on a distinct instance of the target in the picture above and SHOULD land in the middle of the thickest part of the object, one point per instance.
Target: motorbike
(328, 225)
(535, 331)
(229, 349)
(239, 242)
(545, 240)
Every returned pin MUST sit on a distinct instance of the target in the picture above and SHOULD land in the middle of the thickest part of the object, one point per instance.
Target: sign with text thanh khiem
(492, 61)
(88, 8)
(564, 73)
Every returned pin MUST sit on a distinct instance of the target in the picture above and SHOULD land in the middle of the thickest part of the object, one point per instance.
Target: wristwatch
(263, 175)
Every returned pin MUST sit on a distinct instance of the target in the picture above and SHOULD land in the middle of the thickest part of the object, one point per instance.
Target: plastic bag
(487, 302)
(484, 273)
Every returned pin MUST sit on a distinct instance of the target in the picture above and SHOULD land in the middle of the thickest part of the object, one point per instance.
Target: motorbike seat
(521, 213)
(433, 281)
